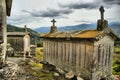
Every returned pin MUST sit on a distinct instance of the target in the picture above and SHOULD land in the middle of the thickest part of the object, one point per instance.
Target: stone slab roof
(16, 33)
(82, 34)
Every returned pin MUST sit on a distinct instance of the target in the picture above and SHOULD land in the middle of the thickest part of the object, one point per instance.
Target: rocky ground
(18, 69)
(10, 71)
(28, 69)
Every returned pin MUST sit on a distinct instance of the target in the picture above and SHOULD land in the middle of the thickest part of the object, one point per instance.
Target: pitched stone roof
(16, 33)
(85, 34)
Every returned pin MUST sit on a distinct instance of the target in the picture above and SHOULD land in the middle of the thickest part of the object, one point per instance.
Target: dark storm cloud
(20, 19)
(78, 5)
(83, 21)
(112, 2)
(91, 5)
(49, 13)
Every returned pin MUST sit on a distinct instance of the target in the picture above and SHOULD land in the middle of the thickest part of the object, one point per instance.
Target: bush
(40, 44)
(117, 68)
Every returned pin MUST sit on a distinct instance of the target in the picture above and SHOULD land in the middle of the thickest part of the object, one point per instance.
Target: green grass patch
(39, 56)
(33, 64)
(117, 49)
(39, 48)
(116, 64)
(39, 53)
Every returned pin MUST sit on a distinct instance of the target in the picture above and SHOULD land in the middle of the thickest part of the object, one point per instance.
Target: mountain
(77, 27)
(43, 29)
(67, 28)
(115, 26)
(11, 28)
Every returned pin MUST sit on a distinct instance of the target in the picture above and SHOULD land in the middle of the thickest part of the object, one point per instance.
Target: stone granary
(19, 41)
(5, 9)
(87, 54)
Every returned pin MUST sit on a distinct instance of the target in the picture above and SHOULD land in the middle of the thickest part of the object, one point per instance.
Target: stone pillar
(101, 23)
(26, 43)
(4, 26)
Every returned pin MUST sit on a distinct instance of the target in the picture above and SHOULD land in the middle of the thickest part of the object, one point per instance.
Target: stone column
(4, 26)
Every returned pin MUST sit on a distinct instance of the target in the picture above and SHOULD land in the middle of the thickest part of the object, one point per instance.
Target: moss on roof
(73, 34)
(88, 34)
(83, 34)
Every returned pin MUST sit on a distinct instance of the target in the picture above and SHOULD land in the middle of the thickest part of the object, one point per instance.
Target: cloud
(83, 21)
(49, 13)
(21, 19)
(90, 5)
(78, 5)
(112, 2)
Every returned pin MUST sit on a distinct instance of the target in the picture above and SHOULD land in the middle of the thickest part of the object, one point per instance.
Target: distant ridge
(67, 28)
(115, 26)
(12, 28)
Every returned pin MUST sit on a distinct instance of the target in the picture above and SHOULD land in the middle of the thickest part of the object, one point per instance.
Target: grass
(39, 53)
(117, 49)
(35, 68)
(116, 64)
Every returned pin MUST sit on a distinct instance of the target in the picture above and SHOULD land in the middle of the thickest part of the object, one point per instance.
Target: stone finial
(53, 27)
(102, 24)
(102, 12)
(26, 29)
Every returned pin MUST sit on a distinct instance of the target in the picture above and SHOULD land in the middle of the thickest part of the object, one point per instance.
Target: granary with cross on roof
(20, 42)
(87, 54)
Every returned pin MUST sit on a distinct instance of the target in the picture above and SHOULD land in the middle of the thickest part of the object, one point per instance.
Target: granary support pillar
(4, 27)
(26, 43)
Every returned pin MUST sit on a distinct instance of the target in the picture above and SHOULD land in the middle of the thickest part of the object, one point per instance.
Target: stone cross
(53, 21)
(102, 12)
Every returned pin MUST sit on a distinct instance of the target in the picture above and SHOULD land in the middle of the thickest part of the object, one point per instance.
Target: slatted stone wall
(16, 43)
(103, 52)
(69, 54)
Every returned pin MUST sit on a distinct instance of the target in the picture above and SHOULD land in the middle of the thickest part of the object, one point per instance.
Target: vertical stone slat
(47, 50)
(59, 53)
(107, 54)
(85, 54)
(44, 50)
(49, 53)
(46, 47)
(77, 56)
(63, 52)
(67, 46)
(82, 54)
(52, 53)
(104, 59)
(56, 52)
(80, 57)
(70, 54)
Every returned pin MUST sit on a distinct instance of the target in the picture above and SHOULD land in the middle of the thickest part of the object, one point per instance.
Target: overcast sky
(38, 13)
